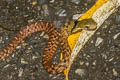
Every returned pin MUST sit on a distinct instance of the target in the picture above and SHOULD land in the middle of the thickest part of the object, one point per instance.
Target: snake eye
(87, 26)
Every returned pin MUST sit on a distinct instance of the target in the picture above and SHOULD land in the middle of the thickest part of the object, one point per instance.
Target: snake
(57, 38)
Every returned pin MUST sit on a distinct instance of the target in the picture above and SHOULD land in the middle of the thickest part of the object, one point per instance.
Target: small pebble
(6, 66)
(76, 16)
(31, 20)
(52, 1)
(87, 63)
(16, 7)
(111, 59)
(61, 12)
(46, 36)
(80, 72)
(105, 26)
(82, 62)
(84, 55)
(24, 44)
(104, 55)
(42, 34)
(116, 35)
(46, 11)
(98, 41)
(94, 63)
(23, 61)
(18, 47)
(115, 72)
(20, 72)
(34, 57)
(75, 1)
(34, 3)
(39, 8)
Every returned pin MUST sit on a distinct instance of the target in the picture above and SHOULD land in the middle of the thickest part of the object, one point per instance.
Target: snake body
(55, 38)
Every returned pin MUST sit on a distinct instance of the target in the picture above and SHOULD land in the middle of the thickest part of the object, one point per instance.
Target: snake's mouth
(73, 32)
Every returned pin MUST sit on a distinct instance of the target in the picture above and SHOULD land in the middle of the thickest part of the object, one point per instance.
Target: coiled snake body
(54, 39)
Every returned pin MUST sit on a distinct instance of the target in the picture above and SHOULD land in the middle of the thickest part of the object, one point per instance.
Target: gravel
(98, 60)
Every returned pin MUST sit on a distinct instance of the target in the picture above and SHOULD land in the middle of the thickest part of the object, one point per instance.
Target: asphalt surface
(98, 60)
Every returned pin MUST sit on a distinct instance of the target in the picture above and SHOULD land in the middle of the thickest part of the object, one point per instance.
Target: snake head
(86, 24)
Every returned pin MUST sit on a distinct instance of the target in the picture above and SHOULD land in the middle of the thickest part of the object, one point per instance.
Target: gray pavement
(98, 60)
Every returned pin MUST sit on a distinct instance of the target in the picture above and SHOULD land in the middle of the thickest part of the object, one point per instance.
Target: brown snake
(56, 38)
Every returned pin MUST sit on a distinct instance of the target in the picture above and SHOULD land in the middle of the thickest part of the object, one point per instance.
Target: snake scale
(56, 38)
